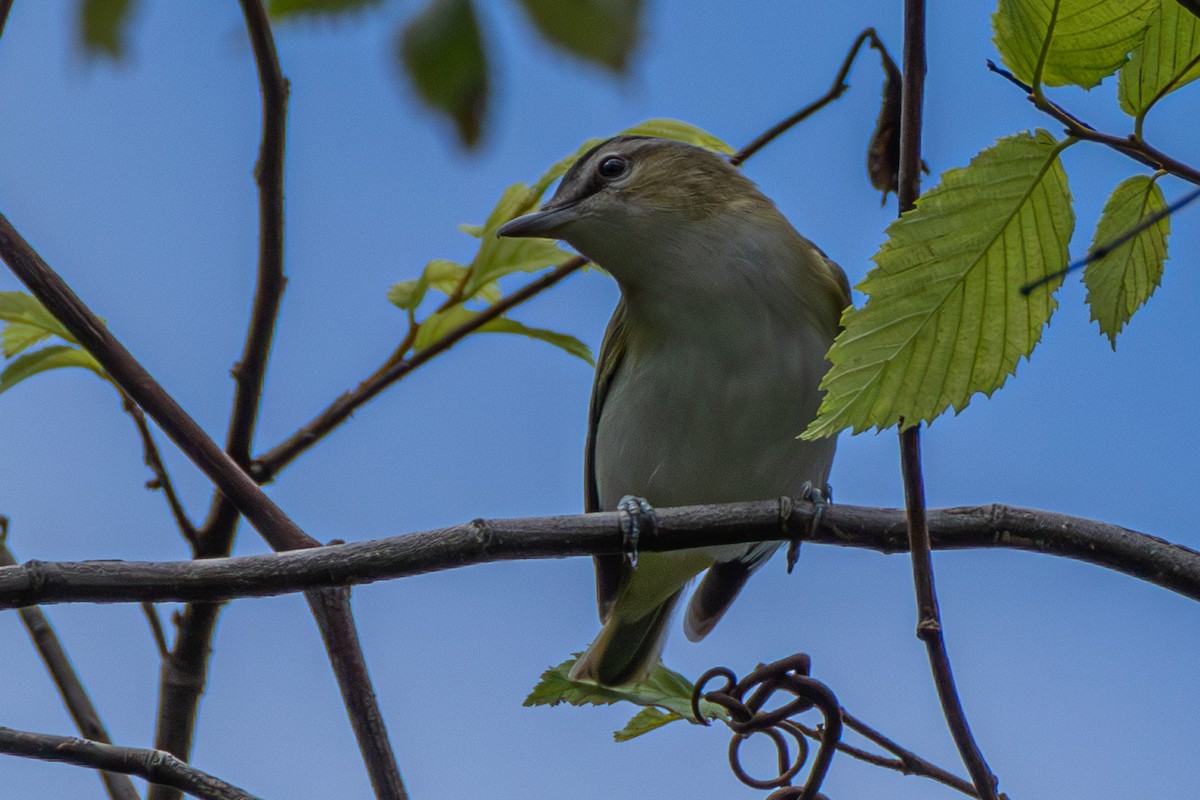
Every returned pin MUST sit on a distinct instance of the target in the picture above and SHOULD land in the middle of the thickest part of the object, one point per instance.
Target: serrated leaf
(1120, 282)
(102, 25)
(25, 308)
(644, 721)
(53, 357)
(603, 31)
(1089, 40)
(563, 341)
(441, 51)
(291, 8)
(1167, 58)
(665, 688)
(18, 336)
(945, 316)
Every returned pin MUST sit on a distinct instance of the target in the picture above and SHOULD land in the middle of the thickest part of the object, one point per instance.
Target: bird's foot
(636, 515)
(820, 498)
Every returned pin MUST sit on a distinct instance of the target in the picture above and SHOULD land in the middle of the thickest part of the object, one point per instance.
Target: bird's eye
(613, 167)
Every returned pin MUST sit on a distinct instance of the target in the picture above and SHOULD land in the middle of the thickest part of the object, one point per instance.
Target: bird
(708, 372)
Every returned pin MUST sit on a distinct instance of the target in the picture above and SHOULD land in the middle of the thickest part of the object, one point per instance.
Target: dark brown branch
(929, 624)
(905, 761)
(150, 611)
(836, 90)
(162, 479)
(1136, 148)
(1144, 557)
(5, 7)
(50, 289)
(74, 696)
(268, 465)
(153, 765)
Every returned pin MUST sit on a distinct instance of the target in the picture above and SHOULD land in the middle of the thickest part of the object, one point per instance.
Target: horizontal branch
(153, 765)
(1147, 558)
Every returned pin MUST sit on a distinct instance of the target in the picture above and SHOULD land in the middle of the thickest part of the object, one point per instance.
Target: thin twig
(267, 466)
(905, 762)
(929, 626)
(156, 630)
(1144, 557)
(162, 479)
(836, 90)
(74, 696)
(153, 765)
(1137, 149)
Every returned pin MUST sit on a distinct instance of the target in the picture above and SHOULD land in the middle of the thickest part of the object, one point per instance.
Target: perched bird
(708, 371)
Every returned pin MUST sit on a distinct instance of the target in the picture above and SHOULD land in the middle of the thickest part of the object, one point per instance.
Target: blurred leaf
(945, 316)
(25, 308)
(1168, 57)
(665, 688)
(442, 275)
(53, 357)
(441, 50)
(288, 8)
(1089, 40)
(563, 341)
(603, 31)
(1120, 282)
(644, 721)
(498, 257)
(471, 230)
(18, 336)
(102, 25)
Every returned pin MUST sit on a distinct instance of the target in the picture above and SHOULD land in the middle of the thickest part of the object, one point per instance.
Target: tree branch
(74, 696)
(267, 466)
(1144, 557)
(153, 765)
(162, 479)
(929, 623)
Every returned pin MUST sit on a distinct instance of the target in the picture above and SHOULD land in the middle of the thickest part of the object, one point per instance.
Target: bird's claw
(820, 498)
(635, 514)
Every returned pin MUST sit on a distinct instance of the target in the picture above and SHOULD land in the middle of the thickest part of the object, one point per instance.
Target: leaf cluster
(25, 324)
(964, 284)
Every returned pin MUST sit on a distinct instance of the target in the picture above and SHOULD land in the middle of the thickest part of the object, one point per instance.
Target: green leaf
(645, 721)
(1088, 40)
(102, 25)
(563, 341)
(440, 323)
(18, 336)
(1120, 282)
(1168, 57)
(290, 8)
(25, 308)
(441, 51)
(945, 316)
(664, 689)
(47, 358)
(603, 31)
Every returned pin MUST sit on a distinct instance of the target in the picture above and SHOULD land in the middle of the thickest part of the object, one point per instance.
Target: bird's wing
(609, 568)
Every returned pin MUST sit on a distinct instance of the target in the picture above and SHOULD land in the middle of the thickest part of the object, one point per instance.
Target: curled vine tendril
(747, 700)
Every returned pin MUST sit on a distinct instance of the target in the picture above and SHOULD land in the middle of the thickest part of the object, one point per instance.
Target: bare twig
(162, 479)
(267, 466)
(156, 630)
(929, 625)
(1144, 557)
(153, 765)
(836, 90)
(905, 761)
(74, 696)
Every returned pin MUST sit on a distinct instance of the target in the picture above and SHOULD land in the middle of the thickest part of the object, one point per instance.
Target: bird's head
(631, 197)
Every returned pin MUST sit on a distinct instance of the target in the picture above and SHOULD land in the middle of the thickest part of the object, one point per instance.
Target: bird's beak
(543, 223)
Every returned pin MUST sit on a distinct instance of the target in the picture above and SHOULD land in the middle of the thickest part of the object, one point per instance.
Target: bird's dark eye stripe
(612, 167)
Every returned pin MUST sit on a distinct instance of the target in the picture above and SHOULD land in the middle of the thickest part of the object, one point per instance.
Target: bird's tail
(626, 650)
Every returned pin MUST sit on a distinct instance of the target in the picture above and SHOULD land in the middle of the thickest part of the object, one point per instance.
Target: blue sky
(134, 182)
